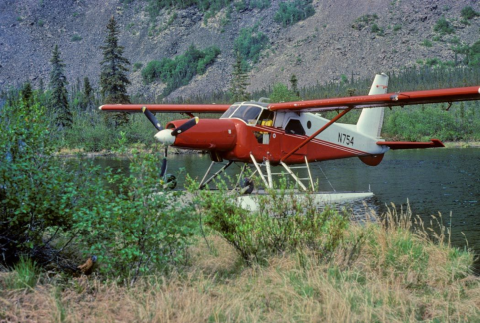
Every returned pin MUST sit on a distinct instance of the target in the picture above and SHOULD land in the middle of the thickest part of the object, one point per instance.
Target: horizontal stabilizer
(433, 143)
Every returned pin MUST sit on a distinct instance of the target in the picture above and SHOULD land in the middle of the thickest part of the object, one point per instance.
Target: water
(432, 180)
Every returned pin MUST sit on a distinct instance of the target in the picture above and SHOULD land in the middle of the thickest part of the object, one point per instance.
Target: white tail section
(371, 120)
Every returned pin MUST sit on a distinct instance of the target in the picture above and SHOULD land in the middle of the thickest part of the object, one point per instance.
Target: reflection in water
(432, 181)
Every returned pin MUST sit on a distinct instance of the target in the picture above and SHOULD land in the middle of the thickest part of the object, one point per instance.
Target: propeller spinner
(167, 136)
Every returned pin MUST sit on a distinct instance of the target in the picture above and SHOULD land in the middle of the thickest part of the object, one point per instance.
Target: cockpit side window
(227, 114)
(266, 116)
(247, 113)
(294, 127)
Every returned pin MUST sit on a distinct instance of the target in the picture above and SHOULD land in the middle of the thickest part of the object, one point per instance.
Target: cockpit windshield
(247, 112)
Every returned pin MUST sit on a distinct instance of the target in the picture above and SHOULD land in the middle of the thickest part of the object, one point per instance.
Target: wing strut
(341, 114)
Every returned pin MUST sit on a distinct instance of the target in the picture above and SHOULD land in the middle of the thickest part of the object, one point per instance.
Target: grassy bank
(383, 271)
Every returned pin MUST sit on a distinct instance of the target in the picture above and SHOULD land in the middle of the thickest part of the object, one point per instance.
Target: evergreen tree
(113, 78)
(239, 81)
(88, 94)
(58, 99)
(27, 94)
(294, 84)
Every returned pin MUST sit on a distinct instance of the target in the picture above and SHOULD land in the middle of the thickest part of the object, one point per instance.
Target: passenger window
(294, 127)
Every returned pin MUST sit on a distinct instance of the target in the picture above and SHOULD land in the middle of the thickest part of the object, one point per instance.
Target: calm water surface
(431, 180)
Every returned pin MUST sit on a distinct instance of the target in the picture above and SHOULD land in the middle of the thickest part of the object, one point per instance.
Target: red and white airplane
(292, 132)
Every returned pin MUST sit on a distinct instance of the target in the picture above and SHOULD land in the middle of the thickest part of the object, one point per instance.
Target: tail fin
(371, 120)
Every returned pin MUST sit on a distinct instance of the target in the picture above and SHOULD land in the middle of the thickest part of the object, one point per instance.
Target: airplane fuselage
(238, 140)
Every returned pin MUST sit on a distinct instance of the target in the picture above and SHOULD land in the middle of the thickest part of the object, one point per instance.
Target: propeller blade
(184, 127)
(152, 119)
(164, 163)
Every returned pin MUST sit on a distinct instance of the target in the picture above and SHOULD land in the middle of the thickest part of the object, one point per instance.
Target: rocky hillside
(331, 43)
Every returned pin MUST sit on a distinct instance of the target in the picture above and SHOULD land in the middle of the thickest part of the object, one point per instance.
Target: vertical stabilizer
(371, 120)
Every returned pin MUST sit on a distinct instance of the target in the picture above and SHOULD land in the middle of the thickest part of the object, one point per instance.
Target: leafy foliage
(281, 93)
(469, 13)
(285, 222)
(46, 204)
(294, 11)
(38, 196)
(364, 21)
(443, 26)
(211, 6)
(249, 44)
(179, 71)
(141, 229)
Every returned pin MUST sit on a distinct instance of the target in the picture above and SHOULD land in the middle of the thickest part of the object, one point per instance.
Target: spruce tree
(294, 84)
(239, 83)
(88, 94)
(58, 98)
(27, 94)
(113, 78)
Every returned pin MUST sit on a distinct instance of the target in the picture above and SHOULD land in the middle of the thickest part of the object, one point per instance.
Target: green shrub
(207, 6)
(469, 13)
(137, 66)
(76, 38)
(281, 93)
(377, 30)
(38, 194)
(363, 21)
(291, 12)
(443, 26)
(179, 71)
(249, 44)
(142, 228)
(285, 222)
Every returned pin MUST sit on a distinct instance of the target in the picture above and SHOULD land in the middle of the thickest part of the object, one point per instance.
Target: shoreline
(68, 153)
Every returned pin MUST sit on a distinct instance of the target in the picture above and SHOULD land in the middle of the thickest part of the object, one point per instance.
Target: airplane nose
(165, 137)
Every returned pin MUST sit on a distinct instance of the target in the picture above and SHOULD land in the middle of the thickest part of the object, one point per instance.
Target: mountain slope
(327, 45)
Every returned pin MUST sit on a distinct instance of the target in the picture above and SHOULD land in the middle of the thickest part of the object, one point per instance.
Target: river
(433, 181)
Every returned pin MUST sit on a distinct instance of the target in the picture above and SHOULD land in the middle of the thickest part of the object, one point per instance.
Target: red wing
(166, 108)
(382, 100)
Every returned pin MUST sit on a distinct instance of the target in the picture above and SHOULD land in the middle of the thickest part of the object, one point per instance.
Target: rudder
(371, 120)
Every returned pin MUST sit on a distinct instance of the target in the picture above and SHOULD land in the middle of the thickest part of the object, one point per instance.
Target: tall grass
(383, 271)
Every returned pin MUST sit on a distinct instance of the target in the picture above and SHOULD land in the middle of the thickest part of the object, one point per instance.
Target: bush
(468, 13)
(363, 21)
(443, 26)
(142, 228)
(38, 194)
(179, 71)
(427, 43)
(285, 222)
(281, 93)
(137, 66)
(76, 38)
(289, 13)
(249, 44)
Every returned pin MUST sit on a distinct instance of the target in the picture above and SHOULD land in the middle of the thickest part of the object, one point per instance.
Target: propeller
(167, 136)
(152, 118)
(184, 127)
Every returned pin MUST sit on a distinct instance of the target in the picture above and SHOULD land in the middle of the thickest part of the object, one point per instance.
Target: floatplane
(291, 134)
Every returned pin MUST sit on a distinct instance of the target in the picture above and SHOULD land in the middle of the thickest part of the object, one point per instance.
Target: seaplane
(291, 134)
